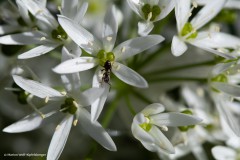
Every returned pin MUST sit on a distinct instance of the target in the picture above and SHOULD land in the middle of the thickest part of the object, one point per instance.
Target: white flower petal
(38, 51)
(75, 65)
(233, 4)
(23, 11)
(166, 7)
(110, 28)
(6, 29)
(174, 119)
(80, 35)
(69, 8)
(144, 28)
(36, 88)
(59, 138)
(154, 108)
(89, 96)
(208, 12)
(22, 38)
(217, 40)
(140, 133)
(221, 68)
(226, 114)
(129, 76)
(161, 140)
(136, 45)
(178, 46)
(32, 121)
(223, 153)
(210, 50)
(134, 4)
(96, 131)
(81, 12)
(230, 89)
(182, 11)
(97, 106)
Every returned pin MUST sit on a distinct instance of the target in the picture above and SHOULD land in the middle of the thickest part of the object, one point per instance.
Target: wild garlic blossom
(72, 106)
(188, 32)
(150, 11)
(197, 94)
(103, 53)
(147, 126)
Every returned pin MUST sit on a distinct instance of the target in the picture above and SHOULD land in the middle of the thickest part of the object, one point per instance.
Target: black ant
(106, 75)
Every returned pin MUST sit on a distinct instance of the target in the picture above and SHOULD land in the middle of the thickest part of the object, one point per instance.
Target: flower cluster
(111, 66)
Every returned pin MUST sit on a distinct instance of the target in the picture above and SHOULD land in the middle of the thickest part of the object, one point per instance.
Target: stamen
(59, 8)
(75, 104)
(42, 38)
(90, 43)
(123, 49)
(63, 93)
(29, 98)
(58, 126)
(46, 99)
(12, 89)
(149, 16)
(109, 39)
(164, 128)
(75, 122)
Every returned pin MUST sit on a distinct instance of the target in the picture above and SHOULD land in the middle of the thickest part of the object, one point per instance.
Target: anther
(75, 122)
(109, 39)
(149, 16)
(42, 38)
(46, 99)
(123, 49)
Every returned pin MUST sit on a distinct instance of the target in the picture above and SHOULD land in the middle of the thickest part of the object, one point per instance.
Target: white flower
(188, 31)
(104, 53)
(150, 11)
(147, 124)
(230, 4)
(73, 104)
(50, 34)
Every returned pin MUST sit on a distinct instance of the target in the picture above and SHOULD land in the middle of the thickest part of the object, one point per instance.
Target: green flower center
(189, 31)
(69, 106)
(150, 13)
(146, 126)
(186, 128)
(104, 56)
(59, 34)
(220, 78)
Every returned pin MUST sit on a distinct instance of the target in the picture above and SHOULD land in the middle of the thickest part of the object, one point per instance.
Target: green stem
(161, 71)
(129, 105)
(155, 80)
(141, 97)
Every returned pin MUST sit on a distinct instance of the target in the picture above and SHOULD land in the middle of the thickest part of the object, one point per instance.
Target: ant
(106, 75)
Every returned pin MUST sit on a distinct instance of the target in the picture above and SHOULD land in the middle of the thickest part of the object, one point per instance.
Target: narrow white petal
(71, 82)
(217, 40)
(75, 65)
(6, 29)
(81, 12)
(223, 153)
(208, 12)
(174, 119)
(161, 140)
(211, 50)
(97, 106)
(230, 89)
(89, 96)
(221, 68)
(59, 138)
(233, 4)
(32, 121)
(154, 108)
(36, 88)
(178, 46)
(134, 4)
(96, 131)
(144, 28)
(23, 11)
(136, 45)
(80, 35)
(182, 11)
(22, 38)
(166, 7)
(38, 51)
(69, 8)
(129, 76)
(110, 28)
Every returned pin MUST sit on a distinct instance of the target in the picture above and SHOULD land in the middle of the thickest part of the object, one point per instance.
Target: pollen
(109, 39)
(42, 38)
